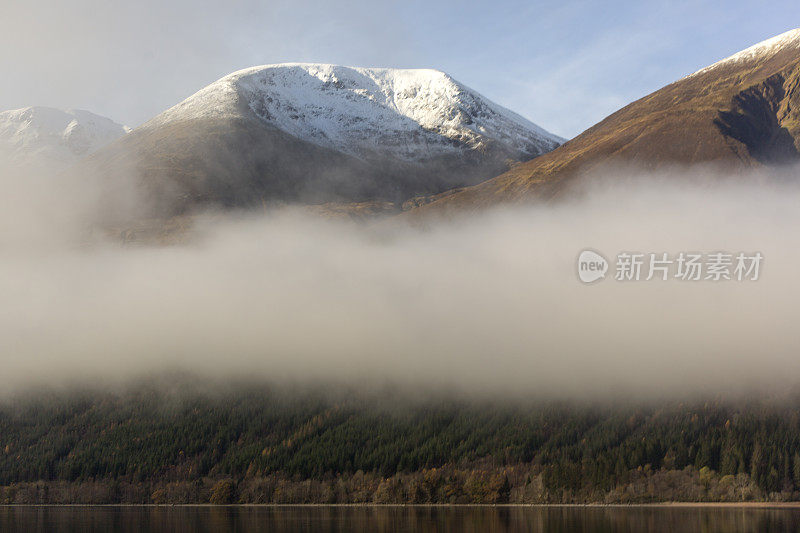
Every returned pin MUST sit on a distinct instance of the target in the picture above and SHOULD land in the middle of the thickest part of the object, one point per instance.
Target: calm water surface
(399, 519)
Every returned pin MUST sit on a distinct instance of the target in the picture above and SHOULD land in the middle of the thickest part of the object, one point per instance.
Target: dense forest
(189, 443)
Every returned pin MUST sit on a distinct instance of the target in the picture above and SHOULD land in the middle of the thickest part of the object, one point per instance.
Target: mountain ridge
(47, 135)
(315, 133)
(343, 107)
(781, 41)
(737, 114)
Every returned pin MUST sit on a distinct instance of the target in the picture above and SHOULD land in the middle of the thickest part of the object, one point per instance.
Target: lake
(245, 519)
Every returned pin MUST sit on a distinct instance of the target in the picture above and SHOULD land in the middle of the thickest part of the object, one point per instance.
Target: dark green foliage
(151, 435)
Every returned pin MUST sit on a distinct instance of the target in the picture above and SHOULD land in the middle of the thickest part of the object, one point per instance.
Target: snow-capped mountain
(44, 135)
(309, 133)
(788, 41)
(411, 114)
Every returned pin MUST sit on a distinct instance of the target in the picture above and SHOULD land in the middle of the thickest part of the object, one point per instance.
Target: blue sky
(564, 65)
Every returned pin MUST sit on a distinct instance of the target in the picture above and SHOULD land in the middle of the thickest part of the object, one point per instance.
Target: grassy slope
(678, 124)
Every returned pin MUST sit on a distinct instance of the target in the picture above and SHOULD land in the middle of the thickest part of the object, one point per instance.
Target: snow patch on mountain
(784, 41)
(54, 136)
(412, 114)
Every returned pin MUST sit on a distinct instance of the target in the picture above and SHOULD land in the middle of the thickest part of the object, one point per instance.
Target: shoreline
(744, 505)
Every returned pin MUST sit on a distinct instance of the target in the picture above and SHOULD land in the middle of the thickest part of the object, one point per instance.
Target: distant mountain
(739, 113)
(314, 133)
(47, 136)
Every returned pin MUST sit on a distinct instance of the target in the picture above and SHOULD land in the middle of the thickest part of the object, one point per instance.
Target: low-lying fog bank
(485, 302)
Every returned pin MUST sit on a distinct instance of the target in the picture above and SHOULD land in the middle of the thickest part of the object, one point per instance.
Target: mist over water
(486, 302)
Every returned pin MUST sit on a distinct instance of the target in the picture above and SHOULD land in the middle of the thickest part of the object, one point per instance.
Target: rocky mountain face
(45, 136)
(740, 113)
(318, 133)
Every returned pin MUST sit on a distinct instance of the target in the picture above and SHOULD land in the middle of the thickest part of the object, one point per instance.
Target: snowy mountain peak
(414, 114)
(54, 135)
(785, 41)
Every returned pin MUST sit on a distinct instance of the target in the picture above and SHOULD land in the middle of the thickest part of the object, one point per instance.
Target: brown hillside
(739, 113)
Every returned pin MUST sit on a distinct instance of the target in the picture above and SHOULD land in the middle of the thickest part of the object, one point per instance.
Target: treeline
(480, 484)
(257, 444)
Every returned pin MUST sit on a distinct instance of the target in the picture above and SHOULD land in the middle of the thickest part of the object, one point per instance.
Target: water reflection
(398, 519)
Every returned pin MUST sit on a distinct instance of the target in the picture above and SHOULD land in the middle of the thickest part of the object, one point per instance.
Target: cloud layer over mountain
(489, 302)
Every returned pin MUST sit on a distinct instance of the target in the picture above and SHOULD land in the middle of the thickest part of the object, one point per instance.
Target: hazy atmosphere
(424, 266)
(488, 302)
(565, 66)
